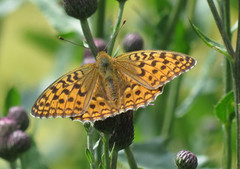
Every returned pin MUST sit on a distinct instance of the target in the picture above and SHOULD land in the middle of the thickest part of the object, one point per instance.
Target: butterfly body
(111, 85)
(108, 76)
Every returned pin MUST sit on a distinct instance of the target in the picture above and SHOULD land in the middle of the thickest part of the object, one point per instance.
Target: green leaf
(89, 155)
(225, 108)
(13, 98)
(211, 43)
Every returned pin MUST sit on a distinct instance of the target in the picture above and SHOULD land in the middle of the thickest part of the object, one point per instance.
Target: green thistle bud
(80, 9)
(19, 114)
(132, 42)
(186, 160)
(7, 126)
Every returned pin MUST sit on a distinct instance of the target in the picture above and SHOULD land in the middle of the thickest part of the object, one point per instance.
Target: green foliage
(225, 109)
(211, 43)
(89, 155)
(13, 98)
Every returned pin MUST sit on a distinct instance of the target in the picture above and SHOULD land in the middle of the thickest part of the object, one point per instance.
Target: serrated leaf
(13, 98)
(211, 43)
(225, 108)
(89, 155)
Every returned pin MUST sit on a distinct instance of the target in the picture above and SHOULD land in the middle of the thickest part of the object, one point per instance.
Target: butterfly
(111, 85)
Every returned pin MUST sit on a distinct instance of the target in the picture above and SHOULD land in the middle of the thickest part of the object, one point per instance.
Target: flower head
(132, 42)
(186, 160)
(80, 9)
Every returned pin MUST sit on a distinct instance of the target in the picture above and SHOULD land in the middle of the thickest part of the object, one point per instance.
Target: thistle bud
(107, 125)
(132, 42)
(123, 134)
(19, 114)
(80, 9)
(88, 57)
(7, 126)
(186, 160)
(19, 142)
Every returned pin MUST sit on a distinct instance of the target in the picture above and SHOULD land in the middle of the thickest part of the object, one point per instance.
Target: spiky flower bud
(19, 114)
(80, 9)
(107, 125)
(7, 126)
(88, 57)
(120, 128)
(19, 142)
(132, 42)
(186, 160)
(13, 145)
(123, 134)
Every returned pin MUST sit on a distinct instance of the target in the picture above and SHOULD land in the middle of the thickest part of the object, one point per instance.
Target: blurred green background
(31, 58)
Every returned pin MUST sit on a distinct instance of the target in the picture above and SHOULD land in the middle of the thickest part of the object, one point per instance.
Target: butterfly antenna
(61, 38)
(115, 34)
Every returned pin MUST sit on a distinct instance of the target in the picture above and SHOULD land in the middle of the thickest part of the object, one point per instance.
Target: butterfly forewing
(67, 96)
(154, 68)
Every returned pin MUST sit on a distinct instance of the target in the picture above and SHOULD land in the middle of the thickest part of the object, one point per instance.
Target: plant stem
(227, 21)
(170, 109)
(236, 76)
(131, 161)
(114, 159)
(221, 28)
(100, 19)
(172, 24)
(227, 155)
(12, 164)
(90, 145)
(106, 150)
(116, 27)
(227, 79)
(88, 35)
(22, 162)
